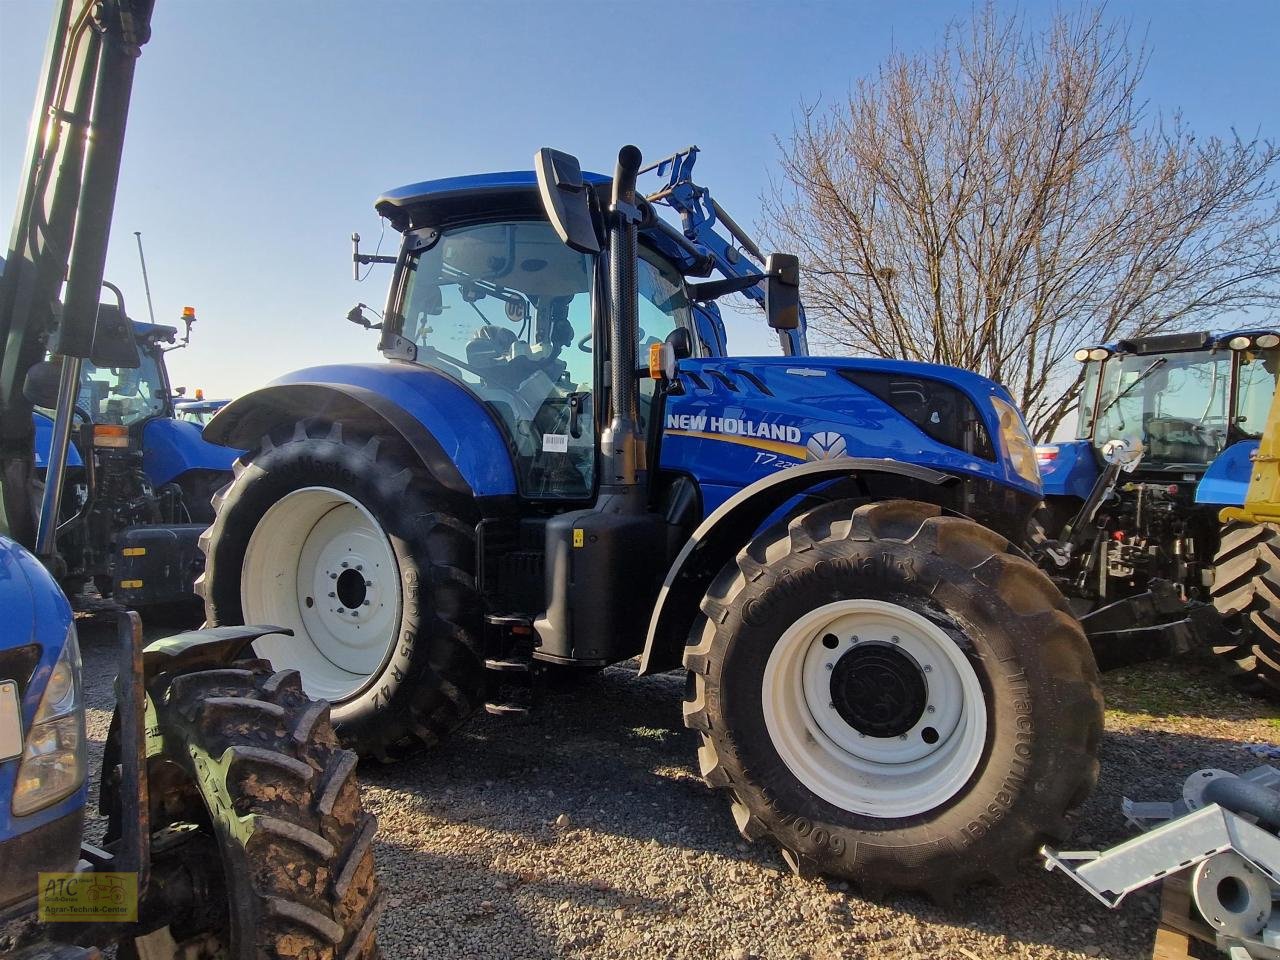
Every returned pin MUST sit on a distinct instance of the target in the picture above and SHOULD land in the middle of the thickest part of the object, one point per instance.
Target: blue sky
(262, 130)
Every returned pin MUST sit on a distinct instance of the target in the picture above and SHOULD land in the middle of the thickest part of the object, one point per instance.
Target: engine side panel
(741, 419)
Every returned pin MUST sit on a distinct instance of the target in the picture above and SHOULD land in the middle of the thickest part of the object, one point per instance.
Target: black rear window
(943, 412)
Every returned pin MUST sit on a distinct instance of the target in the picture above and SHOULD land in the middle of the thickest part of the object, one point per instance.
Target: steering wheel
(582, 343)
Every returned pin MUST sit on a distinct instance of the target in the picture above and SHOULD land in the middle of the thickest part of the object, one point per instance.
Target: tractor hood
(739, 418)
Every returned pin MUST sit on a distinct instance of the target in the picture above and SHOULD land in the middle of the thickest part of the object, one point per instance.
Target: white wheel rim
(926, 760)
(321, 565)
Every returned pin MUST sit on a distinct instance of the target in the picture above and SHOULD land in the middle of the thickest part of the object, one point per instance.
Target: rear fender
(1226, 481)
(719, 537)
(453, 435)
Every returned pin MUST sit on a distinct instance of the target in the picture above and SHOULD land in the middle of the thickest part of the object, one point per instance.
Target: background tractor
(234, 821)
(139, 477)
(1168, 429)
(559, 466)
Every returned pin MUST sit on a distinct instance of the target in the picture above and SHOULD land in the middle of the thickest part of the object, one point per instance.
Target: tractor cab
(1181, 399)
(488, 296)
(130, 395)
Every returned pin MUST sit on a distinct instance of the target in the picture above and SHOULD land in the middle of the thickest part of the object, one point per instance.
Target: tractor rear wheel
(252, 787)
(893, 696)
(349, 543)
(1246, 591)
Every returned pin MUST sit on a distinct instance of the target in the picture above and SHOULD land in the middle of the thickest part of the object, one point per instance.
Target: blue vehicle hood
(740, 418)
(172, 447)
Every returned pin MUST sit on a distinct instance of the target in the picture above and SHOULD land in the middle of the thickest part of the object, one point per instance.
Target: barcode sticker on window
(555, 443)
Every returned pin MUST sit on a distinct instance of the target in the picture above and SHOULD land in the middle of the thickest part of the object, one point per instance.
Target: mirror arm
(714, 289)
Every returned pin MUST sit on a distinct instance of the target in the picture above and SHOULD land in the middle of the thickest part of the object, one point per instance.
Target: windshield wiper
(1158, 361)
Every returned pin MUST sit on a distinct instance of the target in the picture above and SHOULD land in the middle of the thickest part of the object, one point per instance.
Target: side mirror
(782, 291)
(113, 341)
(356, 316)
(681, 343)
(41, 384)
(565, 199)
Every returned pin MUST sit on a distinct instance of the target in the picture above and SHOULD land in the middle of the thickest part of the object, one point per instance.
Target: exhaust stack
(621, 449)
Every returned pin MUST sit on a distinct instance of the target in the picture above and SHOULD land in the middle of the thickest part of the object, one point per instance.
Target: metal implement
(1227, 858)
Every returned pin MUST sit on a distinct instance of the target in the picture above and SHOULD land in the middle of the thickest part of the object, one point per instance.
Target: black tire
(1246, 592)
(264, 778)
(1044, 704)
(432, 678)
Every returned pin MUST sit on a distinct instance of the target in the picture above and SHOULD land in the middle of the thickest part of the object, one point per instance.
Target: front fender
(452, 433)
(719, 537)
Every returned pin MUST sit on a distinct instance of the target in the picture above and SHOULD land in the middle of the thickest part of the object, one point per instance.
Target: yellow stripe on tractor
(773, 446)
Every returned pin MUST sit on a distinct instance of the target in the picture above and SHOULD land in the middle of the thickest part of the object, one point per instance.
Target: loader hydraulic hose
(1241, 796)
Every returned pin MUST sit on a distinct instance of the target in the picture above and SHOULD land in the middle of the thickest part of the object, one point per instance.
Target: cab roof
(1178, 342)
(456, 201)
(434, 203)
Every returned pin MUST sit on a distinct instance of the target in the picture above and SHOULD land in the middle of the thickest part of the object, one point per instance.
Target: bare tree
(1006, 199)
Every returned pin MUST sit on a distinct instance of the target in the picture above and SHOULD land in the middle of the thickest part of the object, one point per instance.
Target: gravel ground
(585, 832)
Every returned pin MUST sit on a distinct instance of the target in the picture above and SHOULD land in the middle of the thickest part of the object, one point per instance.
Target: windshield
(1181, 409)
(506, 309)
(122, 395)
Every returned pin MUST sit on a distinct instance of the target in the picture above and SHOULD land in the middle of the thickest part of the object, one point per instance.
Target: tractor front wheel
(893, 696)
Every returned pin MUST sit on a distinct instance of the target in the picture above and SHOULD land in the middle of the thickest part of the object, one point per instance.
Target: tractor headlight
(53, 756)
(1016, 442)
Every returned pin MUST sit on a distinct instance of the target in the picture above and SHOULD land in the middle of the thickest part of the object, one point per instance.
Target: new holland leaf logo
(825, 446)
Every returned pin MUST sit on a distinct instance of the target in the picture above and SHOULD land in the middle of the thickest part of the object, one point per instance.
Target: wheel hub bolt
(928, 668)
(831, 666)
(895, 639)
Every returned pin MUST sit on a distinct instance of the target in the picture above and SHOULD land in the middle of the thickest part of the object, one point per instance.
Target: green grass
(1183, 689)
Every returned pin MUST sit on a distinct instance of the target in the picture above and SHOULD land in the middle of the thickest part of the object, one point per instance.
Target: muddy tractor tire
(1246, 592)
(894, 697)
(251, 776)
(352, 545)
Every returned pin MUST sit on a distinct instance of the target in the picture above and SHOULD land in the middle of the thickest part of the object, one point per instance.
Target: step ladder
(509, 640)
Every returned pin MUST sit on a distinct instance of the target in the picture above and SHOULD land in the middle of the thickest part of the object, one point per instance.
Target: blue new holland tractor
(233, 821)
(1167, 431)
(559, 466)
